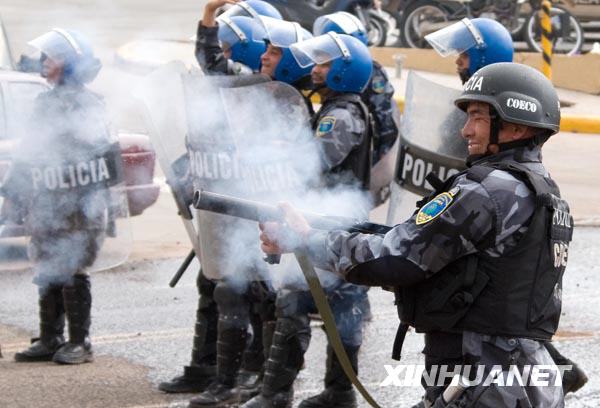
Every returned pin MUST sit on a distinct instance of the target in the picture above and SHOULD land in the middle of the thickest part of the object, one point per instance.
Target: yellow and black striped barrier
(546, 24)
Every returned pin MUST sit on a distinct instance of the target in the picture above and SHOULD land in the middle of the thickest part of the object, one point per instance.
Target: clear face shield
(319, 50)
(346, 21)
(278, 32)
(230, 34)
(456, 38)
(240, 9)
(57, 44)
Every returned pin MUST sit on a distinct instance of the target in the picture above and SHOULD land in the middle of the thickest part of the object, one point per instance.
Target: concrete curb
(580, 124)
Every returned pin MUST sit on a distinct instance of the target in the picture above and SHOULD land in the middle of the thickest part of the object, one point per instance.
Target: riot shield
(116, 242)
(64, 190)
(161, 102)
(195, 148)
(430, 141)
(246, 143)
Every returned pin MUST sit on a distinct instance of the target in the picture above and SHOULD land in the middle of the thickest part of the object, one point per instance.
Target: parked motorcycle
(422, 17)
(567, 33)
(306, 12)
(521, 17)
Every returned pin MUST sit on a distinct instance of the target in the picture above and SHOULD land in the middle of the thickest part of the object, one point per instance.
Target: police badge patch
(437, 206)
(378, 84)
(326, 125)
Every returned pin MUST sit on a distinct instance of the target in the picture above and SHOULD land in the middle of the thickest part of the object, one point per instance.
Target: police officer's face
(269, 60)
(477, 128)
(462, 67)
(319, 73)
(462, 62)
(52, 70)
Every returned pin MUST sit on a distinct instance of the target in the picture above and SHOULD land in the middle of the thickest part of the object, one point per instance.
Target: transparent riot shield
(269, 125)
(430, 141)
(117, 239)
(189, 131)
(162, 104)
(64, 207)
(241, 142)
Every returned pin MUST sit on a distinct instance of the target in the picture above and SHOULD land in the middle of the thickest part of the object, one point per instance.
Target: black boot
(52, 324)
(286, 356)
(573, 379)
(338, 391)
(194, 379)
(230, 347)
(78, 306)
(250, 377)
(203, 369)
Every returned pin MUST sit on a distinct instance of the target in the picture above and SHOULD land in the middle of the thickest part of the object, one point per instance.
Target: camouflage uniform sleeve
(338, 132)
(379, 97)
(208, 51)
(456, 232)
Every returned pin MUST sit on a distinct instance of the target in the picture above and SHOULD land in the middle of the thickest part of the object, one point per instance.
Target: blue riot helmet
(236, 34)
(251, 8)
(484, 40)
(282, 34)
(341, 23)
(351, 62)
(71, 49)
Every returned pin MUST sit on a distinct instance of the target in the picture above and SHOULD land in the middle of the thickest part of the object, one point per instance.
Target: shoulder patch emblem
(326, 125)
(437, 206)
(378, 84)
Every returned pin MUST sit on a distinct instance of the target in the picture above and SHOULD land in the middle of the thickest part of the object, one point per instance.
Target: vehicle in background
(306, 12)
(417, 18)
(18, 91)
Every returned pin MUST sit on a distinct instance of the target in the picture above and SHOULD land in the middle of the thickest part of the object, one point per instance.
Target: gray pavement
(142, 329)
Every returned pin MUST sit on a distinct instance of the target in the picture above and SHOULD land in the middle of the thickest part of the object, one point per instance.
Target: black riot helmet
(517, 94)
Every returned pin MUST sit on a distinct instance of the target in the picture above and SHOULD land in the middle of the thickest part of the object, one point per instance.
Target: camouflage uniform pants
(495, 352)
(346, 301)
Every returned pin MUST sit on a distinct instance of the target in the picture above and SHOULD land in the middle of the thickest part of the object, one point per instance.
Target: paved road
(142, 329)
(142, 334)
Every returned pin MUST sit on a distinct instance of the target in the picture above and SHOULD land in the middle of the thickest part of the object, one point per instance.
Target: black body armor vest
(358, 162)
(517, 294)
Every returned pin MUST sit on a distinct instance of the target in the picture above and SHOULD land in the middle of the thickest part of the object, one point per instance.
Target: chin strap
(314, 89)
(495, 126)
(464, 75)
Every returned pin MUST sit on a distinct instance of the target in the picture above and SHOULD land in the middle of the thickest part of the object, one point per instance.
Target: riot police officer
(67, 221)
(227, 48)
(478, 268)
(342, 67)
(476, 42)
(379, 93)
(233, 301)
(229, 44)
(480, 42)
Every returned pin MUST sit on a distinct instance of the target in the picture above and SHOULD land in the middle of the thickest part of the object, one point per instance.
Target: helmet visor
(346, 22)
(277, 32)
(57, 44)
(230, 34)
(319, 50)
(239, 9)
(455, 39)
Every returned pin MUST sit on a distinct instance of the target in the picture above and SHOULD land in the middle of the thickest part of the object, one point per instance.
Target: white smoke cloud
(251, 142)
